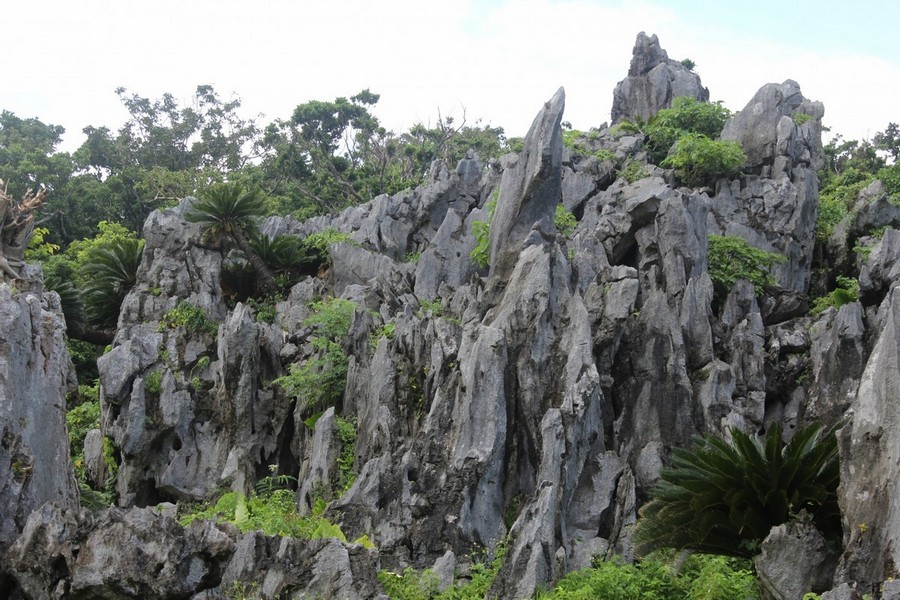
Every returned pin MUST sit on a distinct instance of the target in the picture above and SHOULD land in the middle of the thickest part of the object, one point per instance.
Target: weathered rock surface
(35, 376)
(653, 81)
(870, 465)
(535, 402)
(140, 553)
(794, 560)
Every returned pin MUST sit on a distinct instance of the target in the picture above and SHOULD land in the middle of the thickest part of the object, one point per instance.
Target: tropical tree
(723, 497)
(228, 211)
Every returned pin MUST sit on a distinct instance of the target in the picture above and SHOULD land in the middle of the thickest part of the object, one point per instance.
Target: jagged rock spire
(653, 81)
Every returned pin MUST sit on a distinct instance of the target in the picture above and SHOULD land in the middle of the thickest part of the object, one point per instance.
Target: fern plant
(723, 497)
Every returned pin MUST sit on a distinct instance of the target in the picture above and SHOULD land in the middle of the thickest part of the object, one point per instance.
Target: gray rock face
(140, 553)
(768, 130)
(536, 402)
(870, 470)
(653, 82)
(795, 559)
(34, 379)
(529, 190)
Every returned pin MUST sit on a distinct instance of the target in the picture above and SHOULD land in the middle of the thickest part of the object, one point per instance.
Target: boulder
(794, 560)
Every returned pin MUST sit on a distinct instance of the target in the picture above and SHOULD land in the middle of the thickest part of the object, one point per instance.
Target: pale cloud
(499, 61)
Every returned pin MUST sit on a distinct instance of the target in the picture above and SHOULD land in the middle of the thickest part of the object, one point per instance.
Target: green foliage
(702, 577)
(109, 273)
(723, 497)
(633, 171)
(385, 331)
(564, 220)
(435, 308)
(346, 433)
(890, 177)
(415, 585)
(39, 249)
(265, 307)
(688, 64)
(273, 513)
(481, 253)
(846, 292)
(153, 382)
(731, 258)
(190, 317)
(319, 382)
(80, 420)
(801, 118)
(687, 115)
(699, 160)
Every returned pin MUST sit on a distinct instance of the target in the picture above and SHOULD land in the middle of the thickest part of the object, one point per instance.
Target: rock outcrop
(36, 375)
(653, 81)
(526, 407)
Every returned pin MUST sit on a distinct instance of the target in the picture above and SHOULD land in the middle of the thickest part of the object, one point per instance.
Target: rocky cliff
(530, 402)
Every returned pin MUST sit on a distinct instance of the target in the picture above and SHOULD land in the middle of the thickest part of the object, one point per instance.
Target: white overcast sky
(61, 60)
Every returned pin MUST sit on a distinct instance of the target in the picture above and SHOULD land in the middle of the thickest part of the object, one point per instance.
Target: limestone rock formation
(529, 406)
(36, 375)
(653, 81)
(870, 469)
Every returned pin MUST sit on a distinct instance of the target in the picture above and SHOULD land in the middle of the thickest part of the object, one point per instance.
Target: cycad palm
(227, 210)
(723, 498)
(109, 274)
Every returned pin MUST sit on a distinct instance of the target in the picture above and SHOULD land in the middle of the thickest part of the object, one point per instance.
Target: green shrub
(688, 64)
(190, 317)
(846, 292)
(832, 210)
(702, 577)
(564, 220)
(731, 258)
(890, 177)
(415, 585)
(274, 513)
(481, 253)
(346, 432)
(801, 118)
(319, 382)
(634, 171)
(153, 382)
(699, 160)
(687, 115)
(265, 307)
(723, 497)
(80, 420)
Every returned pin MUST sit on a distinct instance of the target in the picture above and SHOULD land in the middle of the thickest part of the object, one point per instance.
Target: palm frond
(724, 497)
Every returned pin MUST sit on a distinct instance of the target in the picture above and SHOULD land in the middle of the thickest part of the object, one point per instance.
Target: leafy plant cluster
(92, 277)
(683, 137)
(731, 258)
(846, 292)
(423, 585)
(723, 497)
(701, 577)
(480, 255)
(573, 139)
(272, 513)
(79, 421)
(190, 317)
(319, 382)
(698, 159)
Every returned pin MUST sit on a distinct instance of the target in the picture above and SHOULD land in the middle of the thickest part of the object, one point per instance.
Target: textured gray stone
(34, 379)
(529, 191)
(870, 471)
(767, 132)
(793, 560)
(653, 81)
